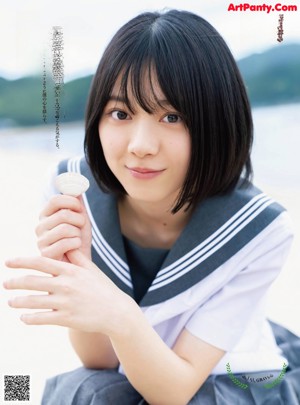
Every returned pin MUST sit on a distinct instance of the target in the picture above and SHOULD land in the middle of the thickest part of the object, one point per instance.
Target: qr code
(16, 388)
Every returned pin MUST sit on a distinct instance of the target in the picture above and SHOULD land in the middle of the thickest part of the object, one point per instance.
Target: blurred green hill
(271, 77)
(21, 101)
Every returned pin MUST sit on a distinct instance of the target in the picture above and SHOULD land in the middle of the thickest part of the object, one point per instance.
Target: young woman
(161, 269)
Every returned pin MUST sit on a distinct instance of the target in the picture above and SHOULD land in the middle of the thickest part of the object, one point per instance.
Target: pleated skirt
(108, 387)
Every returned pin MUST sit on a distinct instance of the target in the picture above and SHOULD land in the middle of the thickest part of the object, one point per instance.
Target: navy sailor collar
(219, 227)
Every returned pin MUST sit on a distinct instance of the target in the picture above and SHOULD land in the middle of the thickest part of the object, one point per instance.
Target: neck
(151, 224)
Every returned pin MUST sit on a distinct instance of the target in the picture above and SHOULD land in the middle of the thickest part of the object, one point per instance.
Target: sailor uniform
(213, 282)
(144, 264)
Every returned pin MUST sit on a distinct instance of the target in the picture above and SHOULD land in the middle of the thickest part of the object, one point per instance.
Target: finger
(58, 249)
(34, 302)
(58, 202)
(61, 231)
(43, 264)
(28, 282)
(44, 318)
(78, 258)
(63, 216)
(83, 208)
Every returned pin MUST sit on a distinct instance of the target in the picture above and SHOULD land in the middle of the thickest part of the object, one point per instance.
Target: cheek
(112, 144)
(105, 141)
(181, 150)
(107, 144)
(108, 149)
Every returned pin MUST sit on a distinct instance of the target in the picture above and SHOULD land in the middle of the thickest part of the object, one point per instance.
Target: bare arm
(93, 349)
(164, 376)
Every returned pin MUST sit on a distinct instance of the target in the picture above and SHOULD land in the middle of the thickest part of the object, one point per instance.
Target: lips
(144, 172)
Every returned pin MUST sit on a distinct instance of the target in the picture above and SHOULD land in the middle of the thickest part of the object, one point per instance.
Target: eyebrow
(122, 100)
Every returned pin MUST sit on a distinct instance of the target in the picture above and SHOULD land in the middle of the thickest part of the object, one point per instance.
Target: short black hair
(199, 77)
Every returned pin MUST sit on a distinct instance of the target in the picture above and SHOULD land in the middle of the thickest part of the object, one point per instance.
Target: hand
(64, 226)
(80, 295)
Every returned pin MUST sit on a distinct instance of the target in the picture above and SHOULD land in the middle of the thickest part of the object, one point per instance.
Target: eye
(172, 118)
(119, 115)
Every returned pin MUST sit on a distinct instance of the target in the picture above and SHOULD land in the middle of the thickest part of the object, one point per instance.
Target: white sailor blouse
(215, 278)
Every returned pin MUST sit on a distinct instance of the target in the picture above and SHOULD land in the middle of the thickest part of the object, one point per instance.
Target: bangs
(149, 65)
(139, 85)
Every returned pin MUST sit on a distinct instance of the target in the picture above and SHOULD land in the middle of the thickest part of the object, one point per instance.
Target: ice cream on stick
(71, 183)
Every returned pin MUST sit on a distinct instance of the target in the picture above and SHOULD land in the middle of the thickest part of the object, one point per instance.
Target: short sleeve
(223, 318)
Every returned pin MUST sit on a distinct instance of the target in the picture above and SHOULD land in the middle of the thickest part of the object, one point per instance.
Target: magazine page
(50, 51)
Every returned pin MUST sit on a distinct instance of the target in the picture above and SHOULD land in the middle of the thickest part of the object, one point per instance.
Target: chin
(143, 197)
(148, 197)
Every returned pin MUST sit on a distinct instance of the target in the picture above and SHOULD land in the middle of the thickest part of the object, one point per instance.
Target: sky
(26, 28)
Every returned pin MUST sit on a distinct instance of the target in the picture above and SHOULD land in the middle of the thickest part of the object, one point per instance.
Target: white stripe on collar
(108, 255)
(213, 243)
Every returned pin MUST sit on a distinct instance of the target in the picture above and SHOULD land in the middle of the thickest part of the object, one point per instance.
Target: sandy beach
(45, 351)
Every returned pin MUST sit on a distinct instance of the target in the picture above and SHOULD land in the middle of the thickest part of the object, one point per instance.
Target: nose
(143, 140)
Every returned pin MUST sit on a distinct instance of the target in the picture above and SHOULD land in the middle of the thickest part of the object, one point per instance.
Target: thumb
(79, 259)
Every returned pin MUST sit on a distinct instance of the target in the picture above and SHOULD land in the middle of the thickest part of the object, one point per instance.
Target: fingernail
(23, 318)
(8, 261)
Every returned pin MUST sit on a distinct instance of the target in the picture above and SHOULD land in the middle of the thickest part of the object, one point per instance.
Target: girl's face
(148, 153)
